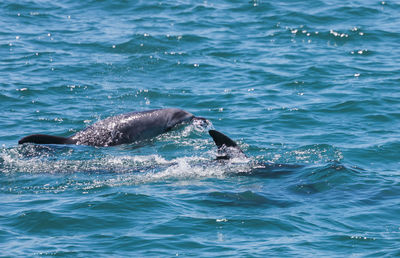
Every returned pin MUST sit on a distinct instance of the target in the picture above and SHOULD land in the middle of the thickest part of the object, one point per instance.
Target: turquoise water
(311, 85)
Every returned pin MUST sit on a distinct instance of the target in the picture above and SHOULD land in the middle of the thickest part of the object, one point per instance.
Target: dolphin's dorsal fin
(227, 148)
(221, 139)
(45, 139)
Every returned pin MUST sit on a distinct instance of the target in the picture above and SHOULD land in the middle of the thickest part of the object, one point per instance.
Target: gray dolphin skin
(121, 129)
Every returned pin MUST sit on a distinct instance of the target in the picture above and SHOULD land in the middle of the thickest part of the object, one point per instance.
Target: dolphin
(122, 129)
(228, 149)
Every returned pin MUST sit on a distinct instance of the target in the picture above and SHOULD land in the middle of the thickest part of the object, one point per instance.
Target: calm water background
(312, 83)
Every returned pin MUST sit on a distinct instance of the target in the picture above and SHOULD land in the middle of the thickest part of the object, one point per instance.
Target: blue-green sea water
(310, 88)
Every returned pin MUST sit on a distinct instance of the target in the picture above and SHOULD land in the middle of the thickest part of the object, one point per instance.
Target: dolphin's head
(178, 116)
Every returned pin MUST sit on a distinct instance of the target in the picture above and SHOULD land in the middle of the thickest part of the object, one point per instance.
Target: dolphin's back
(120, 129)
(131, 127)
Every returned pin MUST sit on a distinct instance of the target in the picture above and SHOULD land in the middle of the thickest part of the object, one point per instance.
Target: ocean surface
(308, 89)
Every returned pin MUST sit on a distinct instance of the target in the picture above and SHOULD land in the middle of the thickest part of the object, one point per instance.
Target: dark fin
(45, 139)
(221, 139)
(227, 148)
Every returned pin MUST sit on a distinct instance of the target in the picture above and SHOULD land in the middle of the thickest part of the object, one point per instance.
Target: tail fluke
(45, 139)
(227, 148)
